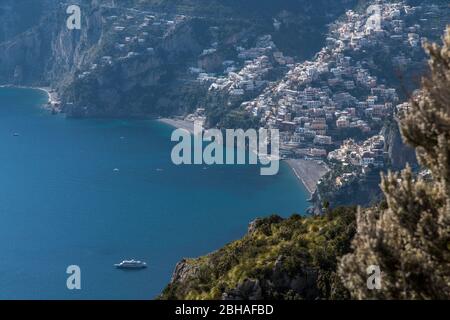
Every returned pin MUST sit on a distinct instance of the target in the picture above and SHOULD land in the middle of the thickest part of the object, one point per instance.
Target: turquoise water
(61, 203)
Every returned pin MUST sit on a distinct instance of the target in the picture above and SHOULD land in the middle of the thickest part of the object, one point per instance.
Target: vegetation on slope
(278, 259)
(407, 236)
(304, 22)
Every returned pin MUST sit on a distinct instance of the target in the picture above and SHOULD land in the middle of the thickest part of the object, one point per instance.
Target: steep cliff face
(19, 44)
(70, 50)
(137, 84)
(47, 53)
(400, 154)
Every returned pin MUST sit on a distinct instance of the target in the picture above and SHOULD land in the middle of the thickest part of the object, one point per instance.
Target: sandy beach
(53, 99)
(178, 123)
(309, 172)
(52, 95)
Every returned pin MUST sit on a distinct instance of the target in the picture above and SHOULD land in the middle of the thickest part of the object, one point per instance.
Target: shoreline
(308, 172)
(178, 124)
(51, 94)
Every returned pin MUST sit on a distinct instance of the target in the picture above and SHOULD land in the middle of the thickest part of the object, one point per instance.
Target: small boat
(131, 264)
(15, 134)
(116, 170)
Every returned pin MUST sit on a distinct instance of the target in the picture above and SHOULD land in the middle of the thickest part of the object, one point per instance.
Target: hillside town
(318, 102)
(333, 107)
(132, 34)
(330, 109)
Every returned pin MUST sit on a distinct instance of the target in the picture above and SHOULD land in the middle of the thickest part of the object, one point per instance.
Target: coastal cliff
(135, 58)
(47, 53)
(278, 258)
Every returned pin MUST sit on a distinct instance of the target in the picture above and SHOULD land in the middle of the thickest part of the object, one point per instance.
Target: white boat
(131, 264)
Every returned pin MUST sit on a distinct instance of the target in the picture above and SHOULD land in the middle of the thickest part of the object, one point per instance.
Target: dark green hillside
(304, 22)
(17, 16)
(294, 258)
(257, 8)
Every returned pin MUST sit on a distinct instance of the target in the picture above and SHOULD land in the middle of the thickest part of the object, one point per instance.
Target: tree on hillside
(409, 239)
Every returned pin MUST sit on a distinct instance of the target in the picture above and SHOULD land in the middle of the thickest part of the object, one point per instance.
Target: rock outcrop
(278, 259)
(399, 153)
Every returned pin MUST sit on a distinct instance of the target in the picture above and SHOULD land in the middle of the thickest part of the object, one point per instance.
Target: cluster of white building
(370, 152)
(133, 32)
(248, 74)
(336, 91)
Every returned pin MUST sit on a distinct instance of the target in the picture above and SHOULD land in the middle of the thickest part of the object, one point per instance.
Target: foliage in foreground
(410, 239)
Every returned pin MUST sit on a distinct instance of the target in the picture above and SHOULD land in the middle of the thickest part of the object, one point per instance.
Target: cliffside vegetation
(304, 19)
(294, 258)
(407, 235)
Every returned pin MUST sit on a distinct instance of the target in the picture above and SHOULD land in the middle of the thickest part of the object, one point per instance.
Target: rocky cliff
(399, 153)
(46, 52)
(291, 258)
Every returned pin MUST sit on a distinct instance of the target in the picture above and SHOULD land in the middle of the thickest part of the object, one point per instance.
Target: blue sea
(62, 203)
